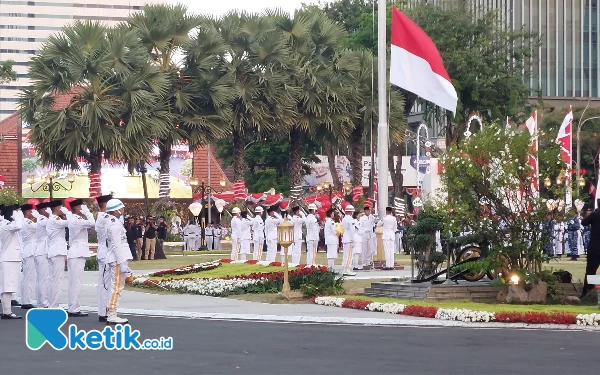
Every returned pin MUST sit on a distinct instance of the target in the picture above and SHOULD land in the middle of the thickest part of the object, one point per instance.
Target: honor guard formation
(42, 239)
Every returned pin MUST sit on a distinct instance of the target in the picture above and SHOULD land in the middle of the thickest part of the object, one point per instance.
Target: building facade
(25, 25)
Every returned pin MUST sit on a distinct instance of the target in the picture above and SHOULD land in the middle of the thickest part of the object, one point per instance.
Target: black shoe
(14, 303)
(77, 314)
(102, 319)
(27, 306)
(10, 316)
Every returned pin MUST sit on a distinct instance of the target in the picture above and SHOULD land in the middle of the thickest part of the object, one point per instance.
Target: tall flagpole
(382, 126)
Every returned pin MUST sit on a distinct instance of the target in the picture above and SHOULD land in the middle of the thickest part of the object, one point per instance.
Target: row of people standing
(358, 239)
(192, 236)
(145, 237)
(34, 238)
(566, 235)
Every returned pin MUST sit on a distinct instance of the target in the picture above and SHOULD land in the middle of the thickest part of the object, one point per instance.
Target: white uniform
(79, 251)
(57, 253)
(235, 235)
(271, 234)
(258, 235)
(347, 241)
(41, 259)
(10, 258)
(217, 232)
(245, 237)
(331, 241)
(559, 236)
(298, 221)
(28, 247)
(210, 237)
(312, 238)
(366, 228)
(189, 234)
(389, 230)
(356, 245)
(117, 258)
(103, 269)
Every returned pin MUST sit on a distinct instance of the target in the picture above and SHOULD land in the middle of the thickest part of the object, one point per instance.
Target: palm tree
(114, 104)
(323, 72)
(164, 32)
(365, 114)
(7, 73)
(258, 59)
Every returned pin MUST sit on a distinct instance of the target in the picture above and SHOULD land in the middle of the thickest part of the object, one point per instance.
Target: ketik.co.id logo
(44, 326)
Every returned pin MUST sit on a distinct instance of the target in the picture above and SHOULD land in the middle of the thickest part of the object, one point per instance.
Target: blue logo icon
(44, 326)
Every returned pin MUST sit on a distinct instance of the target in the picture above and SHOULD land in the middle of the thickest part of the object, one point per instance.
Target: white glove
(85, 210)
(65, 211)
(48, 211)
(35, 214)
(18, 214)
(302, 214)
(124, 268)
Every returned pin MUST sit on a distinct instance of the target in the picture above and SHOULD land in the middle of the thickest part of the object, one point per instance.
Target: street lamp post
(326, 187)
(204, 189)
(50, 185)
(285, 237)
(579, 139)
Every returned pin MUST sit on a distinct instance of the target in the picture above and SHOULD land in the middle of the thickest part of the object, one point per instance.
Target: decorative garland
(462, 315)
(473, 117)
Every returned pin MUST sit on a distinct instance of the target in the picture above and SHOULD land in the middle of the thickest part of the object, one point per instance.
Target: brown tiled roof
(200, 169)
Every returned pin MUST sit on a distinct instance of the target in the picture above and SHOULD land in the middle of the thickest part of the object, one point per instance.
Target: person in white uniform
(57, 251)
(235, 233)
(348, 240)
(41, 214)
(117, 257)
(245, 235)
(103, 270)
(367, 222)
(258, 233)
(356, 244)
(331, 239)
(273, 219)
(80, 220)
(28, 248)
(209, 232)
(11, 223)
(189, 235)
(298, 220)
(217, 231)
(312, 235)
(389, 231)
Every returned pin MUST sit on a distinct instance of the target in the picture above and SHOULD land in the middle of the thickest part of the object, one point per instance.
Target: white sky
(219, 7)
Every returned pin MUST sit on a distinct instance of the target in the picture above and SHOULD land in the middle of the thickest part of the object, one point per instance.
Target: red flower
(358, 304)
(254, 261)
(275, 264)
(226, 260)
(424, 311)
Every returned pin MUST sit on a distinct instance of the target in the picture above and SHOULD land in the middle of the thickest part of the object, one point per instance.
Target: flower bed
(259, 282)
(192, 268)
(462, 315)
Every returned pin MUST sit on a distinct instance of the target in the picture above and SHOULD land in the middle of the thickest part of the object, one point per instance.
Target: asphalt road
(229, 347)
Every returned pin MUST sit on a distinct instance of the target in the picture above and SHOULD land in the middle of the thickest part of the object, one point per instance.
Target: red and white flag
(507, 122)
(239, 190)
(416, 64)
(565, 140)
(531, 126)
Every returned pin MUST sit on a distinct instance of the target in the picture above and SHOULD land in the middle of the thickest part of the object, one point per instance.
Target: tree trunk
(239, 164)
(95, 169)
(355, 155)
(295, 158)
(164, 187)
(337, 185)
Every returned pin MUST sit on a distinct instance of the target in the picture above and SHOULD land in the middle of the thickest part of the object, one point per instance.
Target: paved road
(228, 347)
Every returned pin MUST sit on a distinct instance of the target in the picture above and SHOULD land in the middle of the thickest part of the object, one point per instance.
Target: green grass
(225, 270)
(492, 307)
(134, 188)
(577, 268)
(173, 262)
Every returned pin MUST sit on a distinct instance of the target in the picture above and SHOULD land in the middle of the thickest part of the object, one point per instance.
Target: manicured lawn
(492, 307)
(577, 268)
(171, 262)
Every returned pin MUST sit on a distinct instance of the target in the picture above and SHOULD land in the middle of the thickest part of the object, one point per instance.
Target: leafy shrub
(91, 264)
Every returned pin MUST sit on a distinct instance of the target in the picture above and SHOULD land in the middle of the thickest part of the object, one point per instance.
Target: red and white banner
(565, 140)
(532, 126)
(357, 192)
(416, 64)
(95, 185)
(239, 190)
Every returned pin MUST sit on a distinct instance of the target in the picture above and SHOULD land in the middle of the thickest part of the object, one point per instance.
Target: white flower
(330, 301)
(588, 319)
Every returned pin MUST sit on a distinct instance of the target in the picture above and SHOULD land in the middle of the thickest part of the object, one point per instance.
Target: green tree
(258, 59)
(163, 31)
(29, 165)
(7, 72)
(114, 111)
(186, 167)
(323, 72)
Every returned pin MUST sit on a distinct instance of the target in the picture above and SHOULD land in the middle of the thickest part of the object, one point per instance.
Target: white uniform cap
(235, 210)
(312, 206)
(259, 209)
(349, 208)
(114, 204)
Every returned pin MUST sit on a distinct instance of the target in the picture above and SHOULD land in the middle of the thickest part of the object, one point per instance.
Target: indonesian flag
(531, 125)
(565, 140)
(416, 64)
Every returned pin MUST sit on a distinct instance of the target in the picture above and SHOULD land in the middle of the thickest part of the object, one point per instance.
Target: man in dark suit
(593, 250)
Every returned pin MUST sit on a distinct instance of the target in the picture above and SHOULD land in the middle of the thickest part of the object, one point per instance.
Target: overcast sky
(219, 7)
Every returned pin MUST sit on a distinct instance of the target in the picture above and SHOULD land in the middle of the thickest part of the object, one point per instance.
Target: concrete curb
(345, 320)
